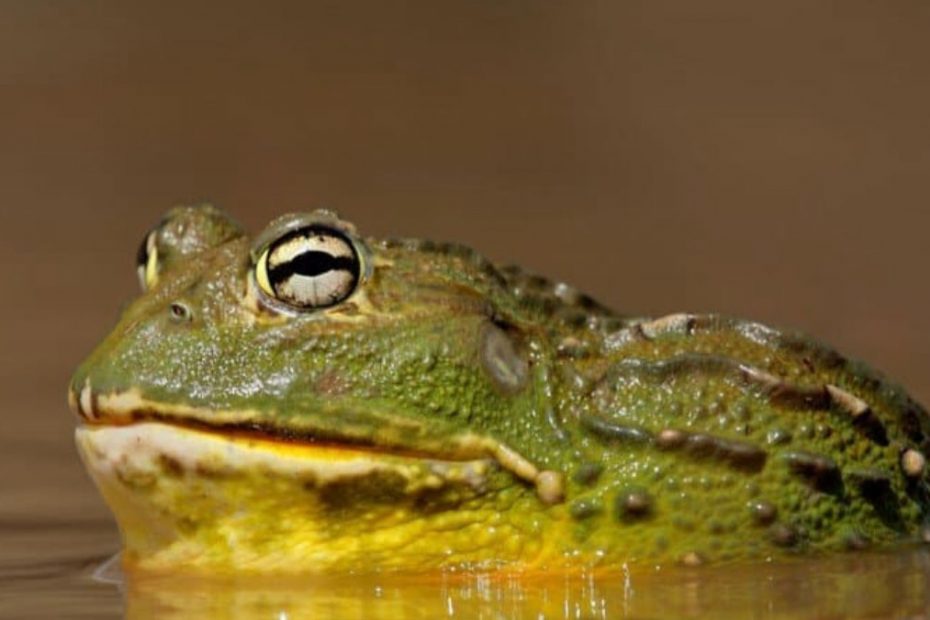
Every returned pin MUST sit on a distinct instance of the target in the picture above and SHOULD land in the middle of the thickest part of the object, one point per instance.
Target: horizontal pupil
(311, 263)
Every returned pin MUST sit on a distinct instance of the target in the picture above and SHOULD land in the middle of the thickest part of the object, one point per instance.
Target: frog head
(347, 393)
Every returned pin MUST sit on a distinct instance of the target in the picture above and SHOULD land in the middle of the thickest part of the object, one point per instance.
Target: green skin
(686, 438)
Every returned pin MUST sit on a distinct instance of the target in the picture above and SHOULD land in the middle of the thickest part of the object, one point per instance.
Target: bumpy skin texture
(598, 438)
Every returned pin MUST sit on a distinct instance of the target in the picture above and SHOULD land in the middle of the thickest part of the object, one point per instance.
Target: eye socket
(147, 261)
(309, 268)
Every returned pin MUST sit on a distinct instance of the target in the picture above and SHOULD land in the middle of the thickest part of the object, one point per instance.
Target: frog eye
(147, 261)
(309, 268)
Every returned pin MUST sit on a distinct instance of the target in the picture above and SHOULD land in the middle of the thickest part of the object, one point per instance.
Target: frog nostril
(180, 312)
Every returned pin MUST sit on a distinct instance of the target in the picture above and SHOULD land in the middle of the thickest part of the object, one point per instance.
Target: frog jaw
(185, 497)
(215, 497)
(130, 406)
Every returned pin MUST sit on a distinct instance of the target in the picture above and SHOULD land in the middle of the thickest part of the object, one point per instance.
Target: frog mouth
(146, 420)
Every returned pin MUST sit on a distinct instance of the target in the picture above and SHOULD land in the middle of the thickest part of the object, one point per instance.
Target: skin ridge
(877, 417)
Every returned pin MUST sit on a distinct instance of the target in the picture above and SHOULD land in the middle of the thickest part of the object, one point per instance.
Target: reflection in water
(868, 586)
(47, 571)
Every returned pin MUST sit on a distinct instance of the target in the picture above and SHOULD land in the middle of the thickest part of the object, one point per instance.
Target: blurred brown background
(769, 160)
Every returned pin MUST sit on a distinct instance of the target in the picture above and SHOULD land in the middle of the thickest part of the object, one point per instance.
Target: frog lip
(267, 433)
(129, 407)
(95, 410)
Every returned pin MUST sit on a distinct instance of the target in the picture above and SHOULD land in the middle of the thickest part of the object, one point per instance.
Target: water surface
(53, 567)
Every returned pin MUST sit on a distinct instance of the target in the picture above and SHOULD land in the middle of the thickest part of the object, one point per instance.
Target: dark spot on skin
(785, 394)
(582, 509)
(870, 482)
(356, 493)
(588, 303)
(817, 470)
(611, 431)
(875, 487)
(911, 422)
(763, 513)
(588, 473)
(783, 535)
(870, 427)
(634, 504)
(170, 465)
(737, 454)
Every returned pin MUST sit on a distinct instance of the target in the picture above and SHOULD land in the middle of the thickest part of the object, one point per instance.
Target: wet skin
(312, 400)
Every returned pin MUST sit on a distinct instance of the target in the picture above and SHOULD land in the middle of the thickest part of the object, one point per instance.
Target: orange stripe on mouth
(549, 484)
(269, 433)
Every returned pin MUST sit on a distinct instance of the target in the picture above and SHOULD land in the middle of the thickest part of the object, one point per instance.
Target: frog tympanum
(312, 400)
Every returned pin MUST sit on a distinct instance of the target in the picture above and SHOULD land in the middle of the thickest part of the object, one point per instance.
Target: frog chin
(185, 496)
(214, 491)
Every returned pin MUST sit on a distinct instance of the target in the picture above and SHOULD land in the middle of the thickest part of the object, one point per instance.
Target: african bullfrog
(314, 400)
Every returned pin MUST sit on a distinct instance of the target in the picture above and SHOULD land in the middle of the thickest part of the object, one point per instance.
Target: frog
(311, 400)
